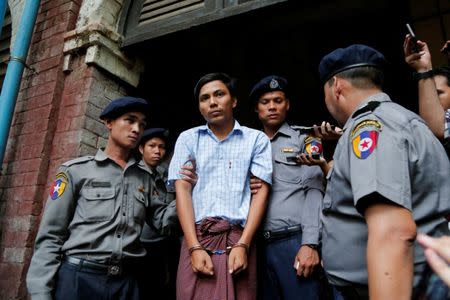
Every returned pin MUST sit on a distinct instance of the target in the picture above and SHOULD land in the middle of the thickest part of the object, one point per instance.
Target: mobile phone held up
(415, 46)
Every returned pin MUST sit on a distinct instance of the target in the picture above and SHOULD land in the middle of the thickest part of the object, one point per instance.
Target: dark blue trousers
(279, 278)
(75, 283)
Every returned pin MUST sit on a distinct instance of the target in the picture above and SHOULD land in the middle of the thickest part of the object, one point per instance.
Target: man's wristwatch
(423, 75)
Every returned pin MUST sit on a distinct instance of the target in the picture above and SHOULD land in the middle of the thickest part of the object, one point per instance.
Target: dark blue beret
(154, 132)
(120, 106)
(268, 84)
(348, 58)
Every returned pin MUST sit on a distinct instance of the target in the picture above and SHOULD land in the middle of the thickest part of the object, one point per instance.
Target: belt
(108, 269)
(279, 234)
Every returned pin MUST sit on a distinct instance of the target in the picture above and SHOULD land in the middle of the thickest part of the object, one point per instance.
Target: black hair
(229, 82)
(362, 77)
(443, 71)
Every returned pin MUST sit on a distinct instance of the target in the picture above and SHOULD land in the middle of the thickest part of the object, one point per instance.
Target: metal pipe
(3, 5)
(14, 72)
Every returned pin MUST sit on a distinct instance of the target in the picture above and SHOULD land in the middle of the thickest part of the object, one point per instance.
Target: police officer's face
(272, 108)
(153, 151)
(443, 90)
(126, 130)
(215, 103)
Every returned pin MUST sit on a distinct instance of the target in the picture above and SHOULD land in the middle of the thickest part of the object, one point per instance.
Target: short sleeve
(183, 152)
(261, 165)
(379, 162)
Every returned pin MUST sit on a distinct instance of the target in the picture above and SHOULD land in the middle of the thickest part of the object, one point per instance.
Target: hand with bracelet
(200, 260)
(237, 259)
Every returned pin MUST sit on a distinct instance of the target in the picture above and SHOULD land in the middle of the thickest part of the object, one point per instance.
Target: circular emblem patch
(59, 186)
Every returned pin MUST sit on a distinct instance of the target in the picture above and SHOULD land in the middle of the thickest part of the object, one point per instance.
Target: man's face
(443, 90)
(126, 130)
(272, 108)
(215, 103)
(153, 151)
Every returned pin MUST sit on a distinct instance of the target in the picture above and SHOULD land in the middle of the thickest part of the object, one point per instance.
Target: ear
(288, 104)
(234, 102)
(141, 149)
(337, 87)
(109, 124)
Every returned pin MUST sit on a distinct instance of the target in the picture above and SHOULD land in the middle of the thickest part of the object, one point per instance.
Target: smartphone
(293, 157)
(415, 46)
(310, 130)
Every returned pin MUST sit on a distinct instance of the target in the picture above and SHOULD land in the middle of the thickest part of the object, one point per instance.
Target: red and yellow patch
(59, 186)
(313, 145)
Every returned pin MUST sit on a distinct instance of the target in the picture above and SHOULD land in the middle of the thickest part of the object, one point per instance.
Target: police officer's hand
(420, 61)
(326, 132)
(201, 262)
(255, 184)
(437, 252)
(305, 261)
(306, 159)
(237, 260)
(188, 172)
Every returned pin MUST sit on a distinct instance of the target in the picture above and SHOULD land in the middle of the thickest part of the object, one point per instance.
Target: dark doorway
(287, 39)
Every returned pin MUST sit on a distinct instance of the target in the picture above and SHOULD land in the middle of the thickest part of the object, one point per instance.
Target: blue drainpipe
(14, 72)
(3, 5)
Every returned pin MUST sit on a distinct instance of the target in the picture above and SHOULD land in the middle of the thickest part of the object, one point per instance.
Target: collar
(379, 97)
(237, 128)
(100, 156)
(285, 129)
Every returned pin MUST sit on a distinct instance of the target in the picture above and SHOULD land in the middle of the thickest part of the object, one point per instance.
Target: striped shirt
(224, 169)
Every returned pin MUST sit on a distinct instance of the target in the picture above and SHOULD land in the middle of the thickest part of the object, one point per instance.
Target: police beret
(154, 132)
(122, 105)
(269, 84)
(348, 58)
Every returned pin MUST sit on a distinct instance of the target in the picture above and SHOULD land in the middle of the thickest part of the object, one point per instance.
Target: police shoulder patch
(364, 137)
(59, 185)
(313, 145)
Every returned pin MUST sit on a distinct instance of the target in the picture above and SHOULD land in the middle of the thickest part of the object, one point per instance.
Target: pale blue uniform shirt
(224, 169)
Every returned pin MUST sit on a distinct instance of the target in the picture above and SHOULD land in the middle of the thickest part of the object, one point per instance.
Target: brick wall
(24, 180)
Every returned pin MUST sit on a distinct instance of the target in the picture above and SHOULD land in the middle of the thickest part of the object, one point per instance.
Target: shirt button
(118, 236)
(123, 214)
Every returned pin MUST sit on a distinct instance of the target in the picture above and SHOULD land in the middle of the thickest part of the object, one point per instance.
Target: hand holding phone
(415, 47)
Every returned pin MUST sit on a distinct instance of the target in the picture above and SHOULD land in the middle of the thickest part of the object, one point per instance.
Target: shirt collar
(237, 128)
(285, 129)
(379, 97)
(101, 156)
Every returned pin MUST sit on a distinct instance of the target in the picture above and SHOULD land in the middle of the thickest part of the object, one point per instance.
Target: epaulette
(78, 160)
(370, 106)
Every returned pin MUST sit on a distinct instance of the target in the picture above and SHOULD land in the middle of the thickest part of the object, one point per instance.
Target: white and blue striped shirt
(224, 169)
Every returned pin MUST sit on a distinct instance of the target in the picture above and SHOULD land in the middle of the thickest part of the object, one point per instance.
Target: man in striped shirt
(218, 215)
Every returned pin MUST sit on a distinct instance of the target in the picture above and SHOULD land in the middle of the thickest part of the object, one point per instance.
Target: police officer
(388, 182)
(291, 226)
(158, 269)
(88, 240)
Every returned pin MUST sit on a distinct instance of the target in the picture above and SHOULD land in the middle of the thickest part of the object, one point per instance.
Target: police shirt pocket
(99, 204)
(140, 204)
(285, 169)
